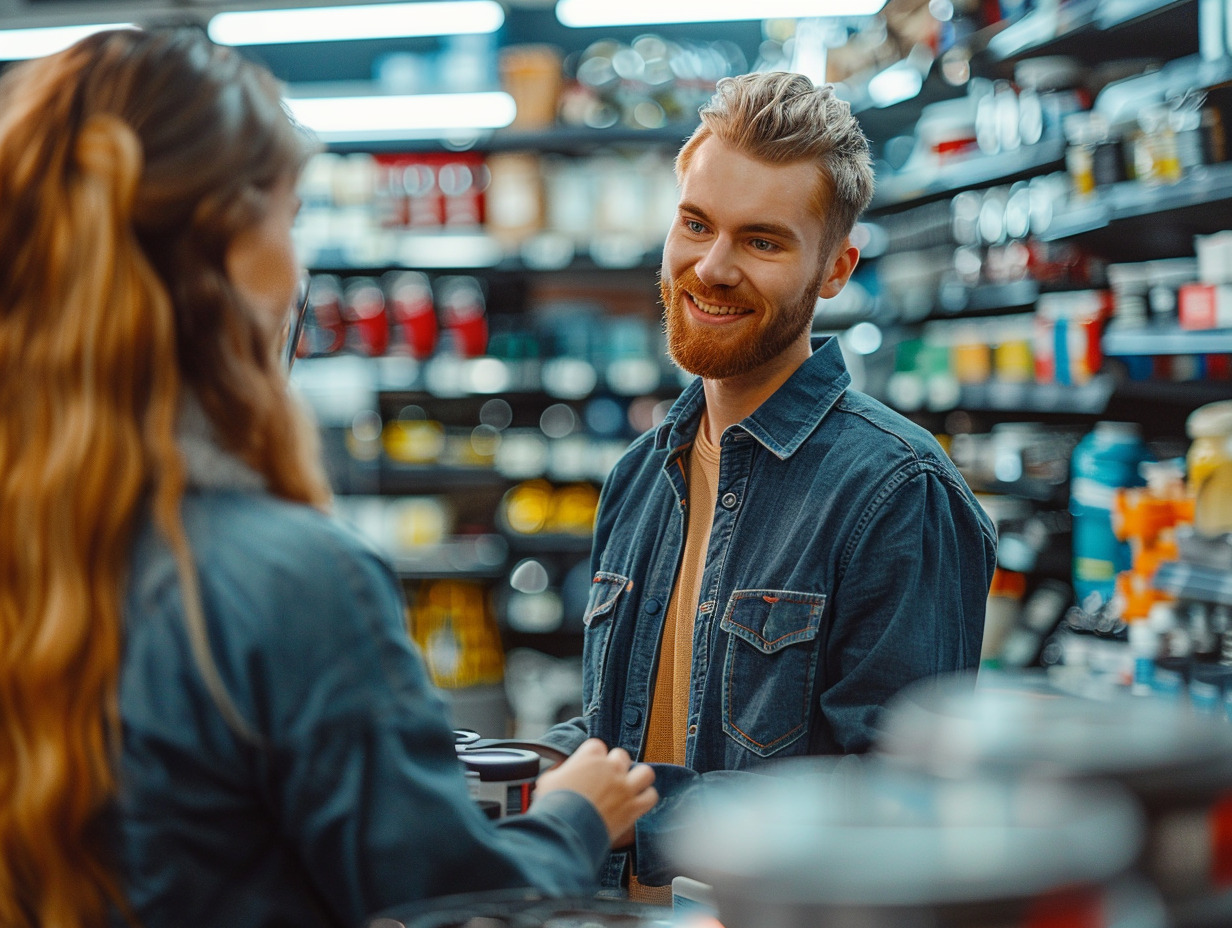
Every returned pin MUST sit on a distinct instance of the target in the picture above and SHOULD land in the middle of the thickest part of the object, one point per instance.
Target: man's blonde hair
(782, 118)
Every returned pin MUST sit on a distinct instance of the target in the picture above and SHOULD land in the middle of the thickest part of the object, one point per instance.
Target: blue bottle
(1103, 461)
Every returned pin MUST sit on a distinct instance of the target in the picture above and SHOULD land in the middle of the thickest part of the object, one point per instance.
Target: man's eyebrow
(775, 229)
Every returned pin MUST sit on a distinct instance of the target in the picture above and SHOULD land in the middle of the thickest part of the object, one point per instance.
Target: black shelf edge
(1089, 398)
(1027, 488)
(988, 300)
(1182, 394)
(444, 251)
(564, 140)
(1038, 31)
(1038, 28)
(1112, 14)
(475, 557)
(580, 139)
(919, 185)
(547, 543)
(1206, 187)
(417, 479)
(1193, 581)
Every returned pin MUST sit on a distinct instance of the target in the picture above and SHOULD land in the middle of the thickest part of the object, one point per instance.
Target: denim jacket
(847, 558)
(349, 798)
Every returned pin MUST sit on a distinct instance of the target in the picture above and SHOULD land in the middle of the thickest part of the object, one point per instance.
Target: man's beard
(714, 353)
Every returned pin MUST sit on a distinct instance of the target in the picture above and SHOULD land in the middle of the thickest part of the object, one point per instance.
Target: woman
(211, 714)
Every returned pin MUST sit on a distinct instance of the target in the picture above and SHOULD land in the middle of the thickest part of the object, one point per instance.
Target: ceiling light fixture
(396, 117)
(364, 21)
(20, 44)
(590, 13)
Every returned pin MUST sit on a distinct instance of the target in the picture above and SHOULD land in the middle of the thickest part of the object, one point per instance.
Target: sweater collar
(208, 465)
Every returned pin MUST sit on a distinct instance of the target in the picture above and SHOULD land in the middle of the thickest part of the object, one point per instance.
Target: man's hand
(620, 790)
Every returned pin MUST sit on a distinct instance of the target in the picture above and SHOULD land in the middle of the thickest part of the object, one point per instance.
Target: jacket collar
(782, 422)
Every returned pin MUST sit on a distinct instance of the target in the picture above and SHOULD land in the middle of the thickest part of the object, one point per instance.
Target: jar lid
(501, 763)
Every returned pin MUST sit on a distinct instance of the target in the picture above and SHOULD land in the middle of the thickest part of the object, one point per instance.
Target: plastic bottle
(1103, 461)
(1209, 427)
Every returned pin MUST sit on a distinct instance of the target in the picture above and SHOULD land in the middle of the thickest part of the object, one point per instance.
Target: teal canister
(1105, 460)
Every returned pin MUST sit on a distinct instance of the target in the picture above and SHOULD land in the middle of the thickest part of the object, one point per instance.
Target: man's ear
(840, 270)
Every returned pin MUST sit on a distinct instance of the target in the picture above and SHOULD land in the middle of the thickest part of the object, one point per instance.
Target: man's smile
(714, 309)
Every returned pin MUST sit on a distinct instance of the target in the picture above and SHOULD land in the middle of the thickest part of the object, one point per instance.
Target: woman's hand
(620, 790)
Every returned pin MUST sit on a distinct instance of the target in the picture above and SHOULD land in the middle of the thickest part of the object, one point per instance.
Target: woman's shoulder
(261, 552)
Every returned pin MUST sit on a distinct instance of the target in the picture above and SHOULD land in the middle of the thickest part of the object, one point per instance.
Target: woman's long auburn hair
(127, 165)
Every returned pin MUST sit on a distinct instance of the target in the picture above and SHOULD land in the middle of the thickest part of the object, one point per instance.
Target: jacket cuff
(566, 736)
(576, 812)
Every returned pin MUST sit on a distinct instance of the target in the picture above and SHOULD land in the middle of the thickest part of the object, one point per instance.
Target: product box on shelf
(1205, 306)
(1068, 327)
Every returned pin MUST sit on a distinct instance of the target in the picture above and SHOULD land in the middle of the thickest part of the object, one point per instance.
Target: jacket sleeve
(909, 602)
(362, 774)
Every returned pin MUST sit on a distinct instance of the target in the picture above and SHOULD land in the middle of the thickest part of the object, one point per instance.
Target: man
(782, 554)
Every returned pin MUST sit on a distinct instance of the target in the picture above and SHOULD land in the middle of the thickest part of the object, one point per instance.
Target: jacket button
(633, 717)
(729, 500)
(651, 606)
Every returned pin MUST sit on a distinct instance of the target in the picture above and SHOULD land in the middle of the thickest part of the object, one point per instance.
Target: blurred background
(1045, 284)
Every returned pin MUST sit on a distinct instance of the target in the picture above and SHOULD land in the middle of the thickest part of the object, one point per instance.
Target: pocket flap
(605, 589)
(773, 619)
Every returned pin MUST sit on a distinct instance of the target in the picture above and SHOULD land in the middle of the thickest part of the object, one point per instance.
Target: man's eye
(762, 245)
(694, 226)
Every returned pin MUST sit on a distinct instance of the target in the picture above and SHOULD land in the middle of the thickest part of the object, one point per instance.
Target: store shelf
(1137, 395)
(464, 557)
(1089, 398)
(1113, 13)
(548, 543)
(1156, 340)
(447, 250)
(1198, 202)
(986, 299)
(1120, 101)
(564, 140)
(1193, 581)
(914, 186)
(1094, 29)
(418, 479)
(1027, 488)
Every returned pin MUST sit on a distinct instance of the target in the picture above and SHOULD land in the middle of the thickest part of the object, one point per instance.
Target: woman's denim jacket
(847, 558)
(347, 796)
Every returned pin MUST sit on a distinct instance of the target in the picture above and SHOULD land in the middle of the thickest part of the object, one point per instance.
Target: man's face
(742, 265)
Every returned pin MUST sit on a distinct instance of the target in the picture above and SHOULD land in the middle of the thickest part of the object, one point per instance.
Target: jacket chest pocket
(770, 666)
(606, 590)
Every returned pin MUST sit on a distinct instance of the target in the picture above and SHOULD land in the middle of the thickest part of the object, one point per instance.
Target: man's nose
(718, 266)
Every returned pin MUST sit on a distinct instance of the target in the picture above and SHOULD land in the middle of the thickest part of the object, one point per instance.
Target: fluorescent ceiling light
(366, 21)
(390, 117)
(588, 13)
(20, 44)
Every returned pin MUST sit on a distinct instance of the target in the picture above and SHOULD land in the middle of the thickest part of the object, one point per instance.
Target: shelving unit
(964, 173)
(1118, 223)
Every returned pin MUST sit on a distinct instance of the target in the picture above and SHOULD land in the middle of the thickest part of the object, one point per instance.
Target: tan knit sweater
(669, 708)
